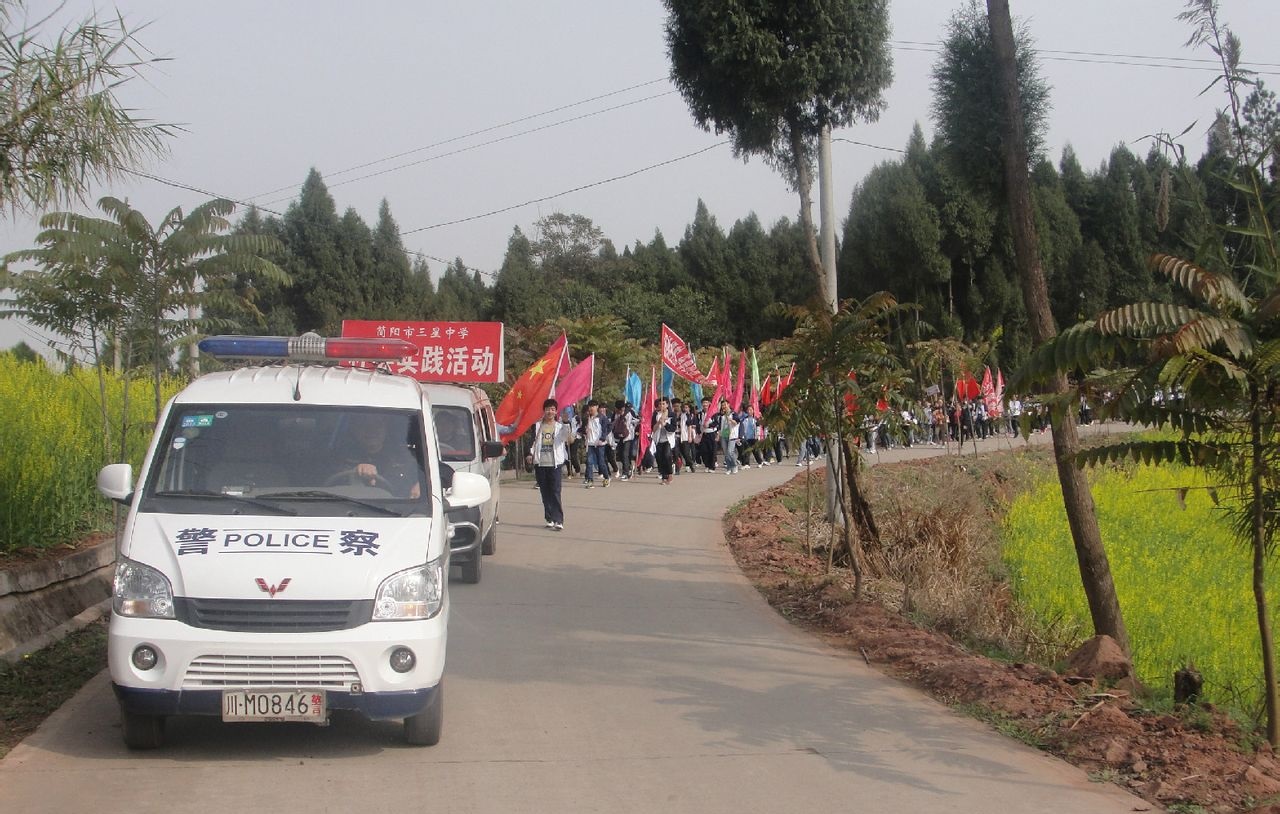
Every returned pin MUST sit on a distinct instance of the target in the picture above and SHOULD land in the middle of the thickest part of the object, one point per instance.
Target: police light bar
(308, 347)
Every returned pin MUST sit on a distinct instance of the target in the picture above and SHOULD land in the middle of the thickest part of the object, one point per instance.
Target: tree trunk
(859, 508)
(1259, 508)
(1095, 569)
(804, 184)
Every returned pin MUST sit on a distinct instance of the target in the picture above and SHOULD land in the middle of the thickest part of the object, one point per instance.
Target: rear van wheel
(471, 568)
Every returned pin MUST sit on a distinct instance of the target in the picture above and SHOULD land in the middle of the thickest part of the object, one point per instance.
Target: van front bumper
(380, 706)
(194, 665)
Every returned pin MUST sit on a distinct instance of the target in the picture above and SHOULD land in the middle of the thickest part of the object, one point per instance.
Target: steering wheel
(352, 476)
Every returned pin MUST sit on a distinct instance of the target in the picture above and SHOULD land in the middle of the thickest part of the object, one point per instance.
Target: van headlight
(141, 591)
(417, 593)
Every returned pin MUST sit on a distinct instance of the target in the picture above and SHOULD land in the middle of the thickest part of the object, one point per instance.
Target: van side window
(456, 432)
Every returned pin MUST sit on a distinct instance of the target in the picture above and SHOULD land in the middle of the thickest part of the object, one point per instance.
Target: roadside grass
(31, 689)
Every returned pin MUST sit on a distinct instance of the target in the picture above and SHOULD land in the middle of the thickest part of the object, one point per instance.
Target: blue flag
(667, 379)
(696, 390)
(633, 391)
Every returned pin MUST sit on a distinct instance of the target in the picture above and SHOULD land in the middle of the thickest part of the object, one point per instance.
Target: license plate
(273, 705)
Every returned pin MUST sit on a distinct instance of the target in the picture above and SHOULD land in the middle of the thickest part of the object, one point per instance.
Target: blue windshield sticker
(197, 421)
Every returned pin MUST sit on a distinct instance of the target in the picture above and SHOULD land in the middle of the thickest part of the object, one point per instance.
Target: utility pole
(827, 214)
(827, 240)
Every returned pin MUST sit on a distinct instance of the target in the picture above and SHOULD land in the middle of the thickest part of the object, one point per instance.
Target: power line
(601, 182)
(189, 188)
(1097, 58)
(478, 132)
(487, 143)
(872, 146)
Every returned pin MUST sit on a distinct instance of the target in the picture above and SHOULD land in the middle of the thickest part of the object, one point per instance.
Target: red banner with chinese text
(677, 356)
(460, 352)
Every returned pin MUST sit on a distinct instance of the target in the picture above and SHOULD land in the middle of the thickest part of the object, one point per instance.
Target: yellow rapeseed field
(1184, 581)
(51, 449)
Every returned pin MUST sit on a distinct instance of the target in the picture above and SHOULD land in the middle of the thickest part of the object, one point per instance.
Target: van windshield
(306, 459)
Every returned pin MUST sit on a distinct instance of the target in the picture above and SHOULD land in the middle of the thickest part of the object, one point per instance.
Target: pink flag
(989, 394)
(1000, 389)
(718, 377)
(646, 416)
(736, 403)
(578, 383)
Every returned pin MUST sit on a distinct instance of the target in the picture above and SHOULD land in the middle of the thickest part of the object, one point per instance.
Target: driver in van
(376, 460)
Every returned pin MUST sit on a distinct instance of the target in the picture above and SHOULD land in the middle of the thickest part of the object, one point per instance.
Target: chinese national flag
(523, 403)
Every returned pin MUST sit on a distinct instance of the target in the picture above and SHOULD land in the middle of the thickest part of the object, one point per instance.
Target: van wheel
(471, 569)
(490, 542)
(141, 731)
(424, 728)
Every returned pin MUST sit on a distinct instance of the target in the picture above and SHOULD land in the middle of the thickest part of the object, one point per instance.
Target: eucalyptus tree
(1091, 555)
(968, 104)
(773, 75)
(61, 126)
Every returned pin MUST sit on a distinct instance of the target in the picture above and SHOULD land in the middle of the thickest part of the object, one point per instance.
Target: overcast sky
(268, 90)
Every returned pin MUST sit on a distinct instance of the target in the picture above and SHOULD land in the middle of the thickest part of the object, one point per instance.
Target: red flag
(523, 403)
(578, 383)
(766, 397)
(677, 356)
(967, 387)
(713, 375)
(1000, 389)
(736, 404)
(783, 384)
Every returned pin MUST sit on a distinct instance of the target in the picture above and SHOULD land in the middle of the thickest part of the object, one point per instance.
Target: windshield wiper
(322, 494)
(252, 501)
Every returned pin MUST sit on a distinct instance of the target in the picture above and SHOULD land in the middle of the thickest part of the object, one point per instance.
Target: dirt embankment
(939, 564)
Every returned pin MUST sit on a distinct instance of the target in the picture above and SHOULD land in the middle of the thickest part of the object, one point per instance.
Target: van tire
(490, 542)
(471, 568)
(424, 728)
(141, 731)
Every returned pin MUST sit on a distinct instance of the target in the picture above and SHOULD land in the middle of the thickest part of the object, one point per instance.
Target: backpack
(620, 425)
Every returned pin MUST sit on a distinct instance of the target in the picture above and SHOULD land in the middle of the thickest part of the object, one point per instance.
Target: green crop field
(1184, 581)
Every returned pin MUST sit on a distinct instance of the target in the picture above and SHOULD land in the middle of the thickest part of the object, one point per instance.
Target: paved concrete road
(622, 665)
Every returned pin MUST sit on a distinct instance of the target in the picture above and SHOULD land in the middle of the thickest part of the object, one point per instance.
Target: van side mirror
(116, 482)
(492, 449)
(469, 490)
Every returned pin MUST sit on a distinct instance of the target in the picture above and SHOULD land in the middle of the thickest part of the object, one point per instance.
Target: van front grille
(229, 671)
(273, 615)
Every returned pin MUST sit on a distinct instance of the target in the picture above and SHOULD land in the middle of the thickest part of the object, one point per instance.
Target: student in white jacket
(549, 452)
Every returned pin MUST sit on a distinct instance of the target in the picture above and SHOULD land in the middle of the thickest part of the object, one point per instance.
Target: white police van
(286, 550)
